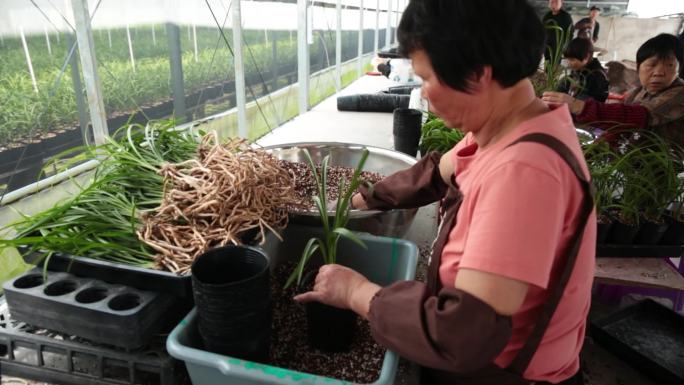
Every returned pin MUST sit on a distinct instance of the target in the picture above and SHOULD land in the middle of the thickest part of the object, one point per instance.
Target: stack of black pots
(406, 129)
(231, 287)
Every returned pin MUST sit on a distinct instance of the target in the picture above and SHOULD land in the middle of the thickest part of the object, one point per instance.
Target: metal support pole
(86, 49)
(274, 61)
(376, 38)
(78, 87)
(28, 59)
(338, 46)
(359, 62)
(47, 40)
(239, 70)
(274, 71)
(388, 31)
(109, 37)
(154, 36)
(302, 56)
(130, 47)
(175, 58)
(194, 40)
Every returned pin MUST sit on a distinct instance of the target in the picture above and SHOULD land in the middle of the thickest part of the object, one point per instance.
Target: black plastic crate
(108, 313)
(648, 336)
(33, 353)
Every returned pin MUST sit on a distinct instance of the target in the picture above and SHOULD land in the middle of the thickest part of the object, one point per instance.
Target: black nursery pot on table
(329, 328)
(231, 288)
(650, 233)
(603, 226)
(674, 235)
(622, 234)
(406, 130)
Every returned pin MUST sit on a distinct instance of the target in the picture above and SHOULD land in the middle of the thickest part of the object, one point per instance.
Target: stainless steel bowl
(585, 137)
(394, 223)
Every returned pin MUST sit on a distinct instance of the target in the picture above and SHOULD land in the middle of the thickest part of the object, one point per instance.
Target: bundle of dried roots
(229, 193)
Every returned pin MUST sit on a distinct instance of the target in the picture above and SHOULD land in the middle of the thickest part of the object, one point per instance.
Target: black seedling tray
(107, 313)
(138, 277)
(44, 355)
(648, 336)
(638, 251)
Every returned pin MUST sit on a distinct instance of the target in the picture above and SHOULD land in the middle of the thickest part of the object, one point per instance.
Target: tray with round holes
(106, 313)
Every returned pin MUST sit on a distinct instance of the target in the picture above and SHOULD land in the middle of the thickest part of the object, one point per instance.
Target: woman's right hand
(358, 203)
(553, 98)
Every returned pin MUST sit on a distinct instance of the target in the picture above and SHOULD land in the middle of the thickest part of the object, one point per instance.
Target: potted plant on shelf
(674, 235)
(600, 159)
(658, 168)
(635, 187)
(323, 318)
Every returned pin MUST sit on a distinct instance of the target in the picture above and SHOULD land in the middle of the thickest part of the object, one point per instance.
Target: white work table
(324, 123)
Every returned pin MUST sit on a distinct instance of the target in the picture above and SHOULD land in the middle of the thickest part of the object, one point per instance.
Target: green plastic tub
(384, 261)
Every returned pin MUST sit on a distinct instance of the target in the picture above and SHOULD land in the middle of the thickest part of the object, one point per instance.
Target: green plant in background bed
(436, 136)
(332, 231)
(27, 115)
(101, 220)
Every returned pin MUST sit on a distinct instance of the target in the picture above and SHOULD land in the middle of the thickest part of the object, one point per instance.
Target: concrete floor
(325, 123)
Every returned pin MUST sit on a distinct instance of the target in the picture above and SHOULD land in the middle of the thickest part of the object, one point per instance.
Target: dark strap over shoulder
(452, 203)
(522, 360)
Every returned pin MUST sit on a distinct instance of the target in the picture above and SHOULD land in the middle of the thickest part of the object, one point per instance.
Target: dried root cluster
(228, 193)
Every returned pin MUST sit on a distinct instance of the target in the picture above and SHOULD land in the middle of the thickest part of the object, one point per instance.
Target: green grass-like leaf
(327, 244)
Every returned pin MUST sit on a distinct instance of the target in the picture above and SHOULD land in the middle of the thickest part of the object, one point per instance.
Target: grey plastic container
(386, 260)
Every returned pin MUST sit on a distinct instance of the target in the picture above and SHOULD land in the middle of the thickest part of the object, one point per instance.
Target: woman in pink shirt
(510, 275)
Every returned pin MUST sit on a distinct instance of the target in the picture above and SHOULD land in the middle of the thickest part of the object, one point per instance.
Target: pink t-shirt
(519, 210)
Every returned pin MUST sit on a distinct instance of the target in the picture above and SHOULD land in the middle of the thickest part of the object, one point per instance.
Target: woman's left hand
(341, 287)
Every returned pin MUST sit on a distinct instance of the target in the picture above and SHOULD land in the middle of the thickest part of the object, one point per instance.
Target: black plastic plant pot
(674, 235)
(406, 130)
(329, 329)
(602, 231)
(372, 102)
(650, 233)
(622, 234)
(231, 288)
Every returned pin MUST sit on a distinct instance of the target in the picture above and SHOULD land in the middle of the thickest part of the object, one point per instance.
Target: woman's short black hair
(579, 48)
(461, 37)
(662, 47)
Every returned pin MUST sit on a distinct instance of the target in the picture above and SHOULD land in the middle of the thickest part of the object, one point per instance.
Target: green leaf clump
(436, 136)
(333, 229)
(102, 219)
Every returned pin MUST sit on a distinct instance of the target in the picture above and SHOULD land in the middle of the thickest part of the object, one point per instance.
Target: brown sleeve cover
(453, 331)
(419, 185)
